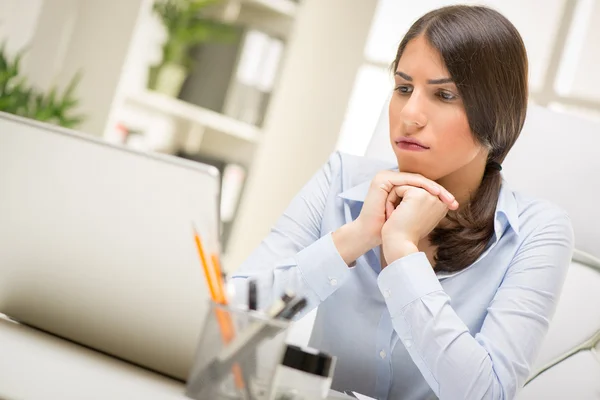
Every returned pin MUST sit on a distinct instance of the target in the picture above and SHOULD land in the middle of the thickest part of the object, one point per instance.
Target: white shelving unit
(152, 121)
(273, 16)
(210, 132)
(285, 8)
(202, 117)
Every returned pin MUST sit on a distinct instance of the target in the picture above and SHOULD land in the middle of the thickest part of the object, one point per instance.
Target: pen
(293, 308)
(287, 306)
(252, 295)
(275, 311)
(280, 304)
(249, 365)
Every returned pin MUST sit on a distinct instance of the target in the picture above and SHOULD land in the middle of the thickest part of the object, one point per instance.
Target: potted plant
(19, 98)
(186, 27)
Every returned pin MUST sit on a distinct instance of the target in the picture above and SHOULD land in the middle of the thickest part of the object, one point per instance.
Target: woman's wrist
(352, 241)
(397, 247)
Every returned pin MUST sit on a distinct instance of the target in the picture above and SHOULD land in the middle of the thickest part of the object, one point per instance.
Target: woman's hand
(416, 215)
(373, 214)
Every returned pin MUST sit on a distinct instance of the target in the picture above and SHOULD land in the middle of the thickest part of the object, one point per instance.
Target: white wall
(17, 23)
(144, 51)
(585, 76)
(92, 36)
(49, 42)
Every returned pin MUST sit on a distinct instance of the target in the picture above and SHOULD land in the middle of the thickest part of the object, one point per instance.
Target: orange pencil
(217, 294)
(202, 255)
(228, 335)
(219, 279)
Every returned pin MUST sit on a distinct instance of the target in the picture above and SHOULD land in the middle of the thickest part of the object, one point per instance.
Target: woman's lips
(410, 145)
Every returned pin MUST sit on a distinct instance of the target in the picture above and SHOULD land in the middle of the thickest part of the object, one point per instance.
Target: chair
(556, 158)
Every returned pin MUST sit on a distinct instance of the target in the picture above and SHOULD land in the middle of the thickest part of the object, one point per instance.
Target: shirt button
(382, 354)
(408, 343)
(333, 282)
(387, 293)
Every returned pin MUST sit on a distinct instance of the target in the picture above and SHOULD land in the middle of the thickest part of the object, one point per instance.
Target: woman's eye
(446, 96)
(404, 89)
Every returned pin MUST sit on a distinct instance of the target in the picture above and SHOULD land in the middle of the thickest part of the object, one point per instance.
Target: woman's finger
(392, 179)
(397, 193)
(394, 198)
(389, 209)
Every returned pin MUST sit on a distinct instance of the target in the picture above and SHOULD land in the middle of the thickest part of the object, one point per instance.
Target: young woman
(430, 276)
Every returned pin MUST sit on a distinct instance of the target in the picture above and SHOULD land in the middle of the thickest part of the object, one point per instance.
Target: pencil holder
(237, 355)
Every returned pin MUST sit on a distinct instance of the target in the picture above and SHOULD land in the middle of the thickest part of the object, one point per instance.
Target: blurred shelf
(198, 115)
(286, 8)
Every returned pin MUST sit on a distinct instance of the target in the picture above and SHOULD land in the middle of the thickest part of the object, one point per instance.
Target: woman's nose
(413, 114)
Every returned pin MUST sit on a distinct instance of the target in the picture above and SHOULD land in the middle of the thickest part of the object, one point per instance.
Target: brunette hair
(486, 58)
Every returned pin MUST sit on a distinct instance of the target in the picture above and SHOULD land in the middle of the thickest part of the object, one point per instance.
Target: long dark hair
(486, 58)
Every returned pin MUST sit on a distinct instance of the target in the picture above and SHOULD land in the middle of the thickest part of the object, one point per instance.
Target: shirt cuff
(406, 280)
(322, 267)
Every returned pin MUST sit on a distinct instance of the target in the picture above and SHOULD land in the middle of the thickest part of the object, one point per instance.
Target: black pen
(293, 308)
(252, 295)
(285, 308)
(278, 309)
(249, 365)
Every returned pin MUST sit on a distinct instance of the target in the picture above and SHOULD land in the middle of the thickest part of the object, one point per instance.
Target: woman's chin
(413, 167)
(428, 173)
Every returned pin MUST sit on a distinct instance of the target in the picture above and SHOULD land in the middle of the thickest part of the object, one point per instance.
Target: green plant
(18, 97)
(187, 27)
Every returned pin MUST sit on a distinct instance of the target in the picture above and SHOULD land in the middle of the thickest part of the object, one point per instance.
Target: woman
(433, 276)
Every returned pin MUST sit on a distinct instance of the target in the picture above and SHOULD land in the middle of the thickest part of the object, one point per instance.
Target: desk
(36, 365)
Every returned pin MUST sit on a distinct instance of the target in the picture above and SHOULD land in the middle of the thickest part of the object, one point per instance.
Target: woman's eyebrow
(430, 81)
(403, 75)
(439, 81)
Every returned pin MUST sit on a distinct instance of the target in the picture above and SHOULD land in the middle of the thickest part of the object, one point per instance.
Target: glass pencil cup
(237, 355)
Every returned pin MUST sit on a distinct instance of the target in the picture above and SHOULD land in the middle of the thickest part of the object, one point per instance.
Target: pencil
(217, 294)
(207, 274)
(222, 299)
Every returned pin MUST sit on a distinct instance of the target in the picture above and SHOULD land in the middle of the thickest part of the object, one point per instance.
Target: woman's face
(429, 130)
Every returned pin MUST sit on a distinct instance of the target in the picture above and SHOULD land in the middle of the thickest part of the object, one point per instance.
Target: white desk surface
(35, 365)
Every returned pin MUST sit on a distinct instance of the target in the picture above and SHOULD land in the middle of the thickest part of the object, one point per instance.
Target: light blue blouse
(407, 332)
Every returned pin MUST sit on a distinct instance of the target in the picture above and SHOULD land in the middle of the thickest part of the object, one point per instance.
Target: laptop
(97, 245)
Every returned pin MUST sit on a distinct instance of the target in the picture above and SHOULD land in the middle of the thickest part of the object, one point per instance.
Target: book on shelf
(237, 78)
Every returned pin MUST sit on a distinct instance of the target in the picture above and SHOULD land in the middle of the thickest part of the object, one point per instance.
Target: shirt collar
(507, 207)
(357, 193)
(507, 212)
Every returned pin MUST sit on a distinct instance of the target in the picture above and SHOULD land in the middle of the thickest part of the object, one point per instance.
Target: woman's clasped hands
(400, 210)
